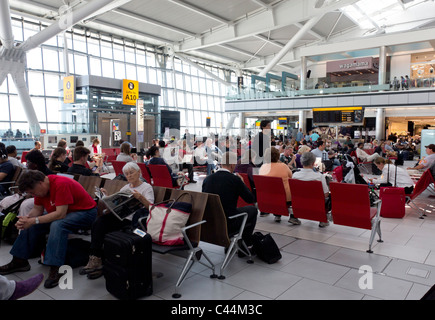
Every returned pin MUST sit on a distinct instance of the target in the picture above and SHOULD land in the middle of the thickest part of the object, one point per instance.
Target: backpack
(9, 231)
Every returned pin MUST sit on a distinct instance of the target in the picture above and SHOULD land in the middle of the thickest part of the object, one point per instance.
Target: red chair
(117, 166)
(360, 164)
(23, 156)
(422, 184)
(308, 200)
(271, 196)
(241, 202)
(161, 177)
(338, 173)
(145, 173)
(351, 207)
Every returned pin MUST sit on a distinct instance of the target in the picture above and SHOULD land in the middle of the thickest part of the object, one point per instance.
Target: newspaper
(122, 204)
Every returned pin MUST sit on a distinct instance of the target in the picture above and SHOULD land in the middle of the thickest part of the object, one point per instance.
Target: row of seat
(350, 202)
(156, 175)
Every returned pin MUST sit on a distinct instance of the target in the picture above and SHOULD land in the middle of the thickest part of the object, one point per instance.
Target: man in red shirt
(62, 206)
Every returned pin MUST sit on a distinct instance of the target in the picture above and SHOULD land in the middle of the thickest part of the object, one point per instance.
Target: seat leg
(232, 249)
(186, 268)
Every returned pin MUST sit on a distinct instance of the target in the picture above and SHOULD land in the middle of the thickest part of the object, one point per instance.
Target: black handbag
(266, 248)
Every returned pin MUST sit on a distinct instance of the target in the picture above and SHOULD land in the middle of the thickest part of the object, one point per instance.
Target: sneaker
(277, 218)
(53, 278)
(94, 264)
(26, 287)
(323, 224)
(16, 265)
(294, 221)
(192, 181)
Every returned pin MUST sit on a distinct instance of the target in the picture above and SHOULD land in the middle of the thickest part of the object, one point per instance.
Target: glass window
(120, 70)
(35, 83)
(30, 30)
(106, 50)
(51, 59)
(34, 59)
(17, 111)
(131, 72)
(4, 86)
(94, 47)
(81, 64)
(107, 68)
(180, 100)
(4, 103)
(118, 52)
(150, 59)
(95, 67)
(142, 74)
(51, 85)
(53, 114)
(179, 83)
(152, 76)
(140, 58)
(79, 43)
(130, 55)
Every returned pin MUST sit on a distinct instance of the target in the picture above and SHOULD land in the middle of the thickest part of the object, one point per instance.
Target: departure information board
(353, 115)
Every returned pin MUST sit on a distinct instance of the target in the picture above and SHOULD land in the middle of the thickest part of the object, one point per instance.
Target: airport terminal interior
(175, 75)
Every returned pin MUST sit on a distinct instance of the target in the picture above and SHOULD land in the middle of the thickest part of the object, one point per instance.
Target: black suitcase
(128, 264)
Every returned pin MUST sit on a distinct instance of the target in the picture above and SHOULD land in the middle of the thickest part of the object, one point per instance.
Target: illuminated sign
(130, 92)
(69, 89)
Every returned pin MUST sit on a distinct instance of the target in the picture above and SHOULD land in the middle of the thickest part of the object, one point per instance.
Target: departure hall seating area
(317, 263)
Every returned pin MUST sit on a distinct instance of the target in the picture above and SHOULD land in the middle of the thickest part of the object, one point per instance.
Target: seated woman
(272, 167)
(57, 161)
(302, 149)
(392, 176)
(108, 222)
(35, 160)
(125, 154)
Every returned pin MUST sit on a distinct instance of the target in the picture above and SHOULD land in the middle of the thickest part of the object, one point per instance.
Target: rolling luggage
(393, 202)
(127, 264)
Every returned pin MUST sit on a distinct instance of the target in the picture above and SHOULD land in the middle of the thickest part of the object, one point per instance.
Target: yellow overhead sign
(130, 92)
(69, 89)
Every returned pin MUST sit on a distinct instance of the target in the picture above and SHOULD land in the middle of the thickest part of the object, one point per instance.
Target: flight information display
(354, 115)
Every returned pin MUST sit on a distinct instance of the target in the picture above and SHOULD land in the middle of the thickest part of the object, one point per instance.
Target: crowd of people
(58, 206)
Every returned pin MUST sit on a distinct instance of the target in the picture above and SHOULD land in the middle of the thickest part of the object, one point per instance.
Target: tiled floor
(317, 263)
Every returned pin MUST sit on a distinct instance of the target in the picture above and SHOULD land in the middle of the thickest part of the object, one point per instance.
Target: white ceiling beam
(262, 4)
(311, 32)
(70, 19)
(281, 15)
(201, 11)
(289, 46)
(370, 42)
(272, 42)
(6, 34)
(141, 18)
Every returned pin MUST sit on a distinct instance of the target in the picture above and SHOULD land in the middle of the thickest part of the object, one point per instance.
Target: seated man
(12, 156)
(308, 174)
(7, 170)
(80, 157)
(230, 187)
(427, 161)
(364, 156)
(69, 209)
(320, 152)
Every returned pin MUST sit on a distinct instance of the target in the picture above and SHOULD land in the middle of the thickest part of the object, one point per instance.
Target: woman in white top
(393, 176)
(108, 222)
(126, 154)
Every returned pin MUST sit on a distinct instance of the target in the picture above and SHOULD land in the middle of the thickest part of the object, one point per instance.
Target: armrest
(245, 218)
(186, 238)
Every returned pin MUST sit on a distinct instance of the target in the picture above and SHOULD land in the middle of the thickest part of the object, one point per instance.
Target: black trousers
(234, 224)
